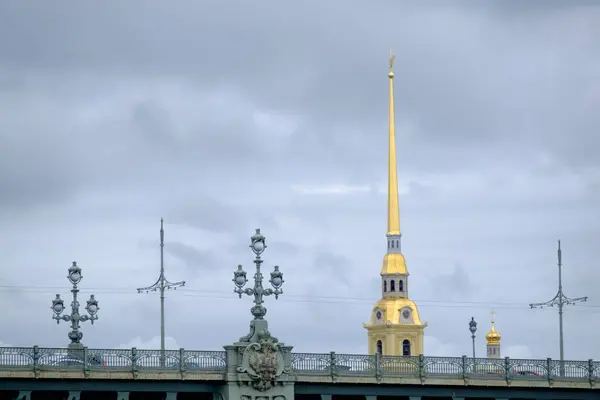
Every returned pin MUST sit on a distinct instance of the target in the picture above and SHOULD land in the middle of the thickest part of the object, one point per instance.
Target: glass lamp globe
(93, 308)
(276, 281)
(75, 276)
(240, 280)
(58, 308)
(473, 325)
(258, 246)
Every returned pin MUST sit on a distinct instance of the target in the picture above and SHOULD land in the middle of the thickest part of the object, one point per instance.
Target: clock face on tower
(378, 314)
(406, 314)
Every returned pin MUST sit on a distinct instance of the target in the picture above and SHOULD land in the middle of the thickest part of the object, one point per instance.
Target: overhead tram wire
(299, 298)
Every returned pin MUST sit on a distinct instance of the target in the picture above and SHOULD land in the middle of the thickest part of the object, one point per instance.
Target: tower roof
(394, 263)
(392, 309)
(493, 337)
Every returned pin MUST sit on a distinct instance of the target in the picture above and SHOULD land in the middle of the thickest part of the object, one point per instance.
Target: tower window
(392, 286)
(494, 350)
(379, 347)
(385, 286)
(406, 347)
(401, 286)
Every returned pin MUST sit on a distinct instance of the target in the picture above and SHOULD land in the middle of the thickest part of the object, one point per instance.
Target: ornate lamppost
(75, 318)
(473, 329)
(258, 324)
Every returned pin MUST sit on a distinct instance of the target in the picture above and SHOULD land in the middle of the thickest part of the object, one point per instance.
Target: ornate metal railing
(303, 364)
(38, 358)
(444, 367)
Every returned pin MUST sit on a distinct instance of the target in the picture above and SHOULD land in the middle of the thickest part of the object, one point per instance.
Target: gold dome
(394, 263)
(492, 336)
(391, 309)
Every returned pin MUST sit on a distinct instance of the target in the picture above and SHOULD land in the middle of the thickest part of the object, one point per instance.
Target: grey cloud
(450, 108)
(154, 124)
(210, 119)
(220, 216)
(453, 286)
(207, 213)
(334, 265)
(193, 257)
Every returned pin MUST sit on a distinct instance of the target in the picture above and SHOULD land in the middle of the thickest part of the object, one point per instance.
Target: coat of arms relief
(263, 362)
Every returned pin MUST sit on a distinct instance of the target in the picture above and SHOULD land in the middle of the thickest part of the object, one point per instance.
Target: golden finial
(493, 313)
(392, 57)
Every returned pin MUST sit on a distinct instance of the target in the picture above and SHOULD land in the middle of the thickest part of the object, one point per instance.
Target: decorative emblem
(406, 313)
(378, 314)
(263, 362)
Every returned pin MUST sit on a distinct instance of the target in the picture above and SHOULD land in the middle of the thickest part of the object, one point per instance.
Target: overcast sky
(225, 116)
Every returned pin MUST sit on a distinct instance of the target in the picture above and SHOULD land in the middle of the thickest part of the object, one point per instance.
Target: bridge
(36, 372)
(259, 367)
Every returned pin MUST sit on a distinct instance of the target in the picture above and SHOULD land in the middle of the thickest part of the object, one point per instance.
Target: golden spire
(393, 204)
(492, 336)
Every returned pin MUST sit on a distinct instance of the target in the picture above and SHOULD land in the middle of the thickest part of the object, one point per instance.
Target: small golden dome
(492, 336)
(394, 263)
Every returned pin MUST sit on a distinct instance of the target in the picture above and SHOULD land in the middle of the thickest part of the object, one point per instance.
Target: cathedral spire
(393, 211)
(395, 327)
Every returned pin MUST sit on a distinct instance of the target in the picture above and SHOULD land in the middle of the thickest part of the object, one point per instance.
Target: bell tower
(493, 341)
(395, 328)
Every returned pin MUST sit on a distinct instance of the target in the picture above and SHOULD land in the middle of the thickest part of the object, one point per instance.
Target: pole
(560, 300)
(162, 294)
(560, 314)
(161, 285)
(473, 329)
(474, 359)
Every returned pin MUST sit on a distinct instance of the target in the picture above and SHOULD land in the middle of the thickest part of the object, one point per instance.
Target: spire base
(394, 243)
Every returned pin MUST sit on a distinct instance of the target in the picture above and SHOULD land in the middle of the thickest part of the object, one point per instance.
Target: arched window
(406, 347)
(379, 347)
(401, 286)
(385, 286)
(392, 286)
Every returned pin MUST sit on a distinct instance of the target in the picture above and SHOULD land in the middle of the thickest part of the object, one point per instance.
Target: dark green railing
(303, 364)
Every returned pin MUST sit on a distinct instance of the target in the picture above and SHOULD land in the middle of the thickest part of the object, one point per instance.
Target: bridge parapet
(22, 362)
(427, 368)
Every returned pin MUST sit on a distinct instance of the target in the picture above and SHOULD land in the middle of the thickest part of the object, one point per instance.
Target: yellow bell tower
(395, 328)
(493, 338)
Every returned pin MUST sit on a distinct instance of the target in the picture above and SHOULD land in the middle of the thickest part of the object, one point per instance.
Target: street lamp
(75, 318)
(473, 329)
(258, 244)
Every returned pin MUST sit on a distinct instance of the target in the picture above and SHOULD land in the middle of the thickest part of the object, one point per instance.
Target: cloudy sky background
(223, 117)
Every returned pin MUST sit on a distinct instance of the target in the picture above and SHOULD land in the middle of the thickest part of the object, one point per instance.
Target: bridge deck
(309, 368)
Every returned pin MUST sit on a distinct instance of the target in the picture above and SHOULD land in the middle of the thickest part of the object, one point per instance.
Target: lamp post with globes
(473, 329)
(258, 324)
(75, 318)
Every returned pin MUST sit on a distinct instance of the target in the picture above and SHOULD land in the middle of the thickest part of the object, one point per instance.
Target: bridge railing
(303, 364)
(39, 358)
(444, 367)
